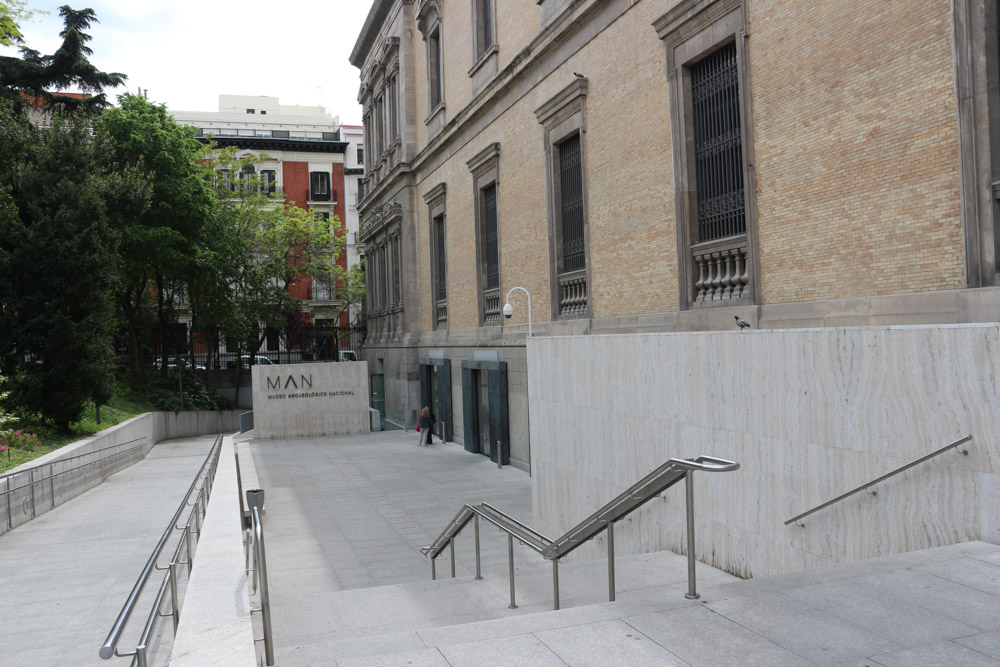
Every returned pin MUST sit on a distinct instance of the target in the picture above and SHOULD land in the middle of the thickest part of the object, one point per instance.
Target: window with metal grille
(571, 204)
(491, 244)
(718, 146)
(442, 284)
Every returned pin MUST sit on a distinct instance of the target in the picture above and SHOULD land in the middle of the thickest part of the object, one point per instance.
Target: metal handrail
(205, 474)
(882, 478)
(637, 495)
(32, 481)
(260, 582)
(69, 458)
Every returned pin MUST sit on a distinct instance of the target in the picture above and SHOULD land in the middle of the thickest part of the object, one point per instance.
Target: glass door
(485, 444)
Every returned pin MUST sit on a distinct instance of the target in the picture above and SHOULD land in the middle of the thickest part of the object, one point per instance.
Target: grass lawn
(123, 406)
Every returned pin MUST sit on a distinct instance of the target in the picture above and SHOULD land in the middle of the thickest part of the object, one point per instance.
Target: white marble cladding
(808, 413)
(305, 400)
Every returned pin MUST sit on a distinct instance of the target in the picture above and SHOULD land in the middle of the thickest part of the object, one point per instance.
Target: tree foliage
(58, 256)
(32, 78)
(160, 246)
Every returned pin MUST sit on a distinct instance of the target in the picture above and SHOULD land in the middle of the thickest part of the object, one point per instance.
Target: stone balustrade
(721, 270)
(573, 294)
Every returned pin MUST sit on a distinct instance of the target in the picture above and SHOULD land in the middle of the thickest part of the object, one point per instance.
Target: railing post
(510, 555)
(188, 546)
(611, 561)
(692, 594)
(499, 456)
(555, 583)
(434, 575)
(475, 522)
(451, 546)
(175, 609)
(140, 656)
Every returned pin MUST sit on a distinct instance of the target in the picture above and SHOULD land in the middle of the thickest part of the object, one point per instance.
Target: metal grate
(571, 204)
(492, 259)
(718, 145)
(442, 284)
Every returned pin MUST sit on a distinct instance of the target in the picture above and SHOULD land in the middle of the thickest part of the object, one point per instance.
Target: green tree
(58, 255)
(160, 247)
(12, 12)
(32, 78)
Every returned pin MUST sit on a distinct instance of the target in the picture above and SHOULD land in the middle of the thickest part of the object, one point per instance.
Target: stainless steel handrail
(70, 458)
(260, 583)
(603, 520)
(33, 481)
(206, 473)
(882, 478)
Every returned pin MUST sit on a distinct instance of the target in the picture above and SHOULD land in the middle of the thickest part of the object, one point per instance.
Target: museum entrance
(435, 393)
(484, 409)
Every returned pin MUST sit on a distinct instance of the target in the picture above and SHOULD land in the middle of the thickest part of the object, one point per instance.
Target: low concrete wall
(808, 413)
(215, 626)
(39, 485)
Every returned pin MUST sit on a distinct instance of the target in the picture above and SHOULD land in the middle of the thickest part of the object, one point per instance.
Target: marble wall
(304, 400)
(808, 413)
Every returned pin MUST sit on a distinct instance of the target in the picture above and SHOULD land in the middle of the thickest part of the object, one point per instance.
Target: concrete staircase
(937, 606)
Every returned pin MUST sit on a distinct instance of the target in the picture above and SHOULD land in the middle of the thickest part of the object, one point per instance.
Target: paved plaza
(346, 515)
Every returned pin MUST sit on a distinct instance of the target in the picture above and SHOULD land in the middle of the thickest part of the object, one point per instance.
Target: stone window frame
(562, 116)
(976, 72)
(484, 57)
(436, 207)
(485, 168)
(690, 31)
(430, 25)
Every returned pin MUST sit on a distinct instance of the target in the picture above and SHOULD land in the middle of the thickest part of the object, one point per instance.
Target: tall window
(484, 26)
(571, 205)
(714, 199)
(434, 78)
(718, 145)
(491, 241)
(441, 281)
(435, 199)
(563, 117)
(319, 186)
(485, 168)
(361, 155)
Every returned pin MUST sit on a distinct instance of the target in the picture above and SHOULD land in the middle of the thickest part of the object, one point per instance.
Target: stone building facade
(664, 165)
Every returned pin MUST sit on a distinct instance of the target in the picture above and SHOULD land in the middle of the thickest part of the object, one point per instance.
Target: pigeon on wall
(741, 323)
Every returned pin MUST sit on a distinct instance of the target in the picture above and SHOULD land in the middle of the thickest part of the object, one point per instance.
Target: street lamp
(508, 310)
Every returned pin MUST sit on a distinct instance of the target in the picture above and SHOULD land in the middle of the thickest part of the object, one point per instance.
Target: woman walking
(425, 424)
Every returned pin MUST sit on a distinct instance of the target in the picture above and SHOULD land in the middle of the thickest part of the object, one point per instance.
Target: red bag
(418, 428)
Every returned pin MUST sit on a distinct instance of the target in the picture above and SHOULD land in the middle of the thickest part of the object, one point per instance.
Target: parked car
(246, 362)
(348, 355)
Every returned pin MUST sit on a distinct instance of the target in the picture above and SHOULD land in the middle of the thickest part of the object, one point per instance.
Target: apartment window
(319, 186)
(322, 288)
(564, 121)
(250, 111)
(435, 199)
(485, 174)
(268, 180)
(429, 24)
(713, 193)
(263, 112)
(361, 155)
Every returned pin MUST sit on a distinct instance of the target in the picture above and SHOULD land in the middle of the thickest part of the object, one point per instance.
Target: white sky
(187, 53)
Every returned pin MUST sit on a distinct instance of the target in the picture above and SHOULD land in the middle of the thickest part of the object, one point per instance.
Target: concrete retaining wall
(809, 413)
(39, 485)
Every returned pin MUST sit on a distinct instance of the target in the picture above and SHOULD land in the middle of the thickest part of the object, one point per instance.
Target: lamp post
(508, 310)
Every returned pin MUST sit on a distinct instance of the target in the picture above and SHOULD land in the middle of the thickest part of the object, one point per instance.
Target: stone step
(386, 619)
